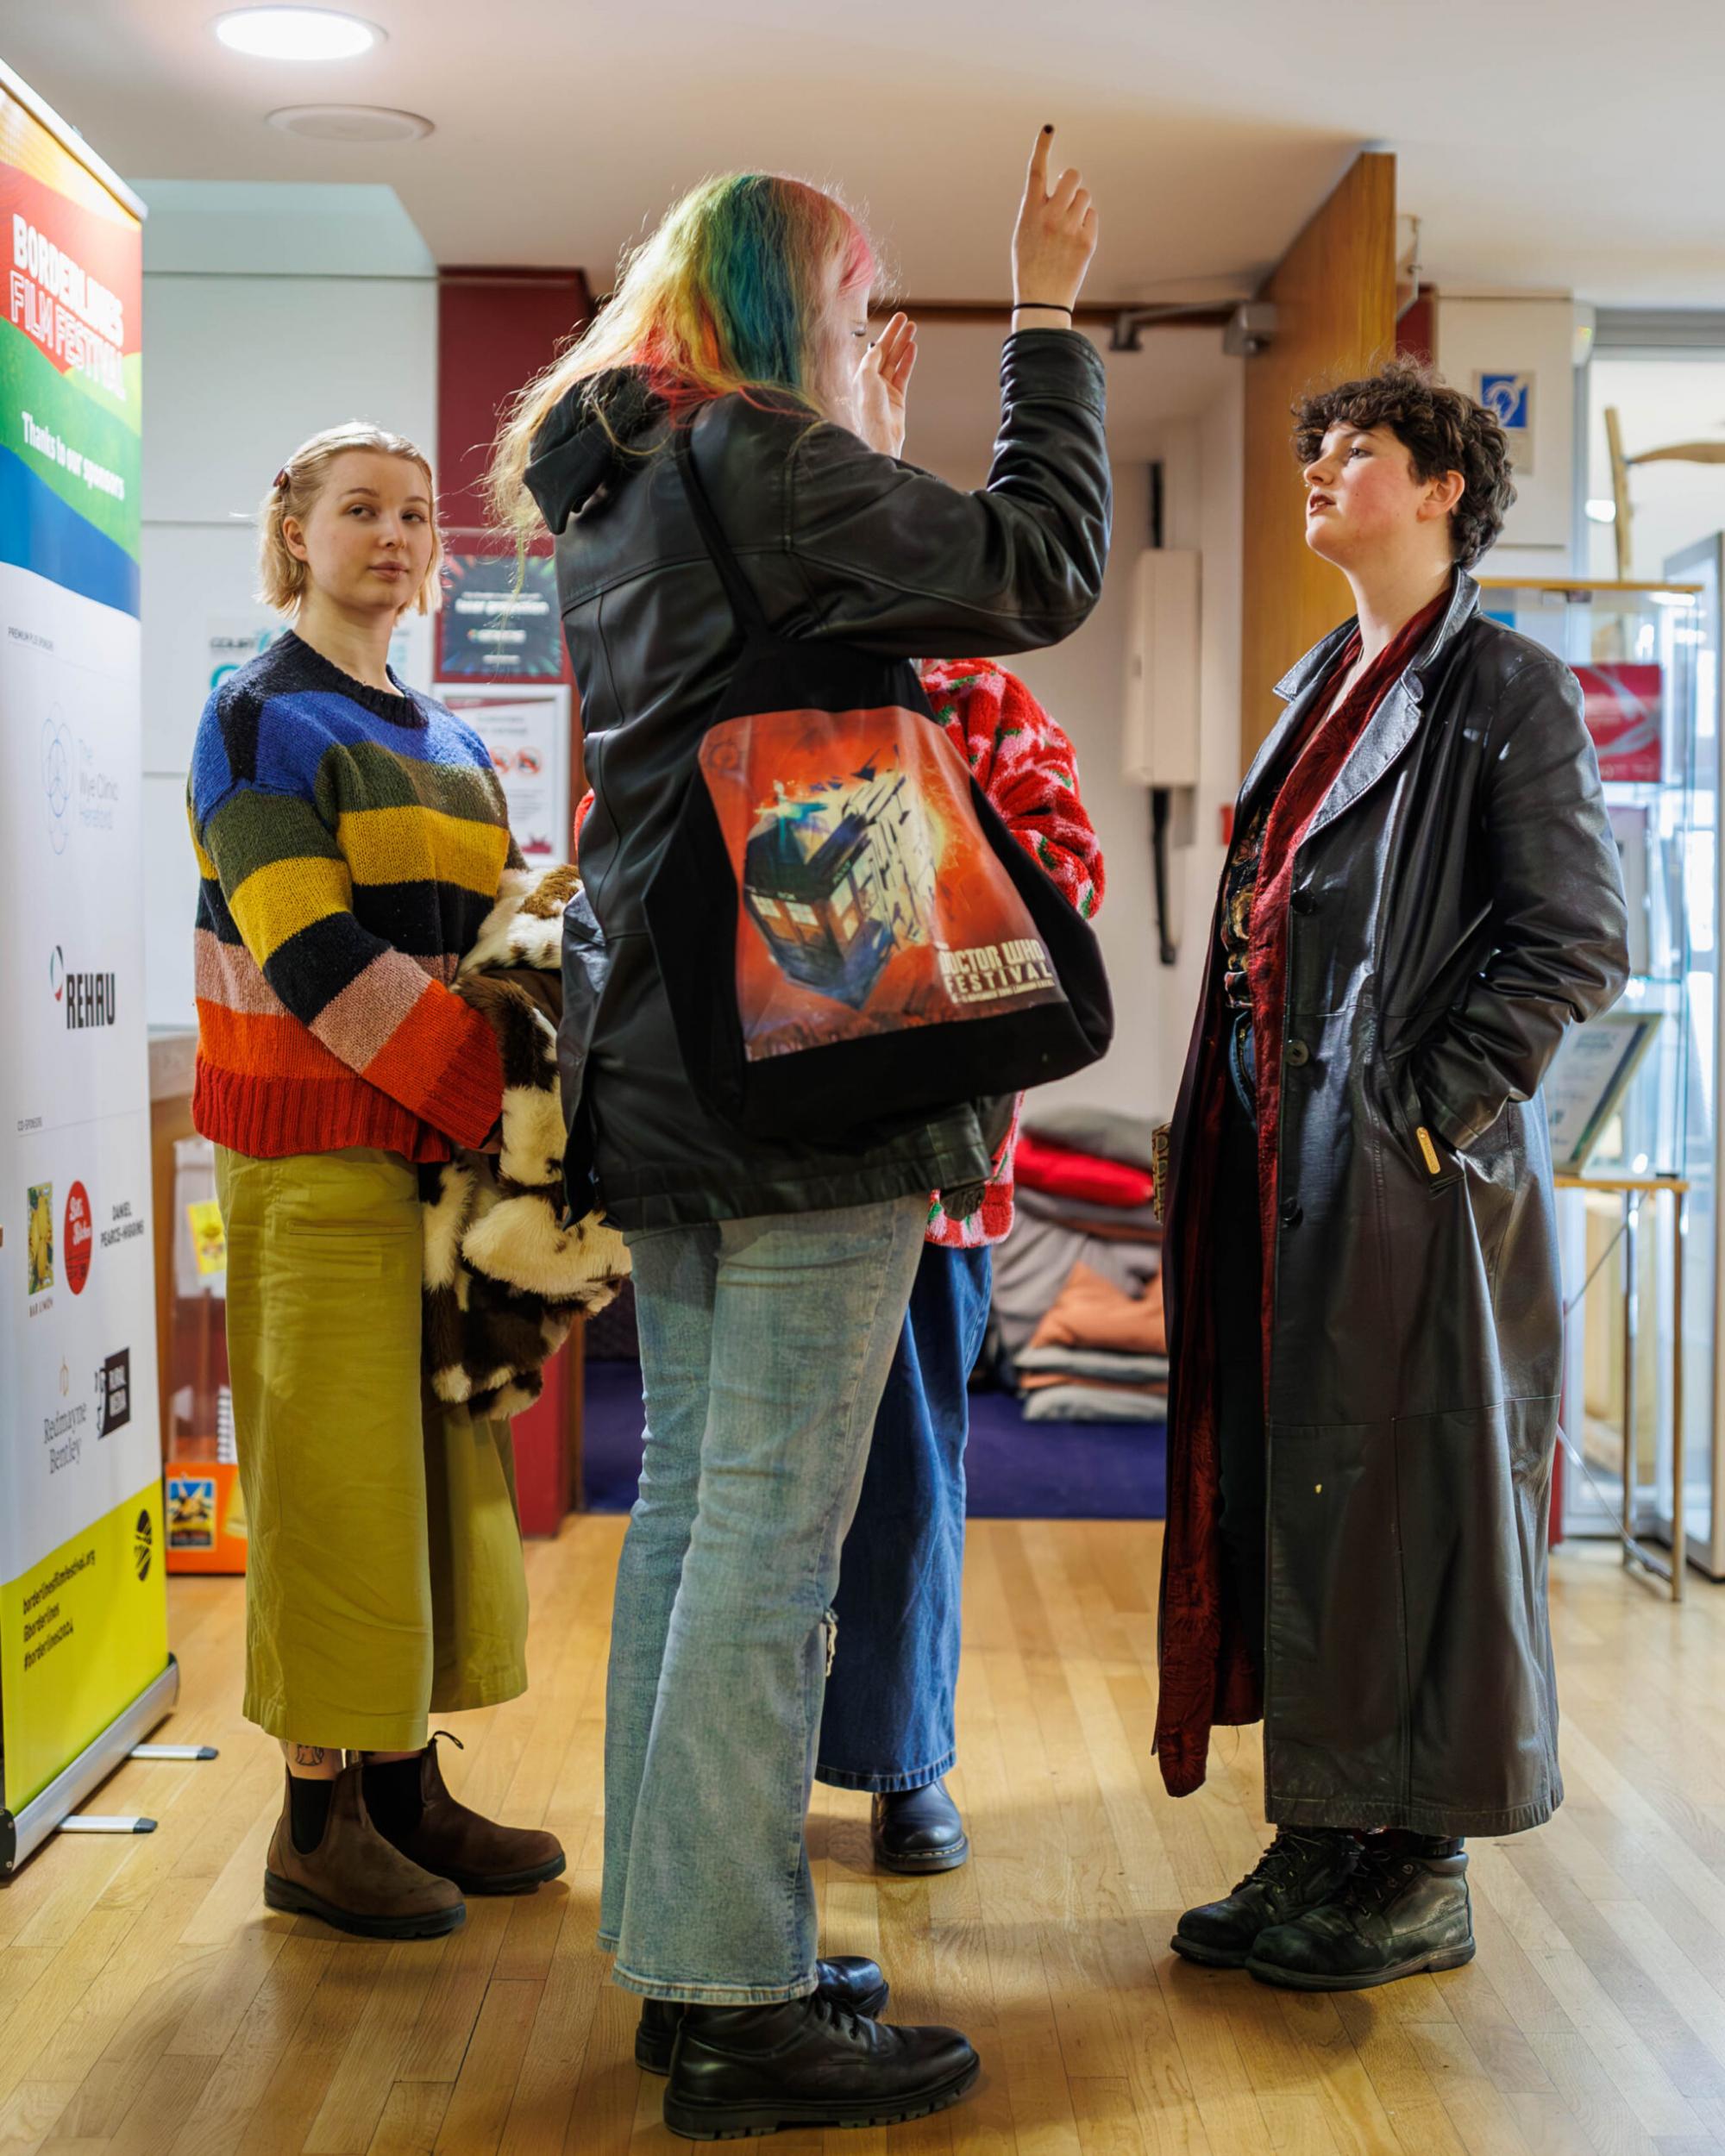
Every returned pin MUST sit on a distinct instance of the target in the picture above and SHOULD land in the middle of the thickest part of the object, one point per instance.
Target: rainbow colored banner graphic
(71, 378)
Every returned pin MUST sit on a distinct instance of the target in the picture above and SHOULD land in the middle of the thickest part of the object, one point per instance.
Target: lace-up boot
(847, 1980)
(742, 2070)
(1405, 1909)
(1302, 1867)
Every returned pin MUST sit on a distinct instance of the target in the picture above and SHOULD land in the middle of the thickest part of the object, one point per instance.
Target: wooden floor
(150, 2003)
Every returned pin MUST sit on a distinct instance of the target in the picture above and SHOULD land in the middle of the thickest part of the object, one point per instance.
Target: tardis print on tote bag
(848, 934)
(870, 900)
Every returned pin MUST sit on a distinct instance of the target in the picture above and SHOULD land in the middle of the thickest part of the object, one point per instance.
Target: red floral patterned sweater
(1025, 765)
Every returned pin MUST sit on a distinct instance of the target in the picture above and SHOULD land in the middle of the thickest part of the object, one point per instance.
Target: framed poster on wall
(526, 726)
(500, 620)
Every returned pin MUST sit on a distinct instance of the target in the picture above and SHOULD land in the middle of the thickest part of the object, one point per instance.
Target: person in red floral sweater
(887, 1723)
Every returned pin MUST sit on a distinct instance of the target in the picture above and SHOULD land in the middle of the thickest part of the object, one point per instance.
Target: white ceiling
(1545, 148)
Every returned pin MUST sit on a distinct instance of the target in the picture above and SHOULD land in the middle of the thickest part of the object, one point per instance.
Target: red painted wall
(495, 328)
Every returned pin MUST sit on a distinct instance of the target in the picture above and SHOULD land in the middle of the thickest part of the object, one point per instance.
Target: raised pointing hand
(1056, 234)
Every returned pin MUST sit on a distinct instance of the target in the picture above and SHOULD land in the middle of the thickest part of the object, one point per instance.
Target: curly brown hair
(1442, 431)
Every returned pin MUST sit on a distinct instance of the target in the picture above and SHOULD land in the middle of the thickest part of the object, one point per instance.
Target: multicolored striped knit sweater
(350, 842)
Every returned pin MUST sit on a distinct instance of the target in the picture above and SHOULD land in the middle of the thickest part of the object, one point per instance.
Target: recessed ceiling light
(296, 32)
(1603, 512)
(351, 123)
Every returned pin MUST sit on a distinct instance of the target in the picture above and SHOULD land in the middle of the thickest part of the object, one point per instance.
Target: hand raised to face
(879, 388)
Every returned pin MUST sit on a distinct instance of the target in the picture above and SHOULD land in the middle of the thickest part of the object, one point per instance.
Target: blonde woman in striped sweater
(351, 835)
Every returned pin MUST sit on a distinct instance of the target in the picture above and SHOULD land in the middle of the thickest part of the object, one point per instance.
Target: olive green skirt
(384, 1580)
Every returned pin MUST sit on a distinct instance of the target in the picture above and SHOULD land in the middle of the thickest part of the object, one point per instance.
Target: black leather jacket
(1456, 906)
(841, 543)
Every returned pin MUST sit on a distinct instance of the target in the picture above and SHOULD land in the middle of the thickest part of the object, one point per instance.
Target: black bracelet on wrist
(1048, 306)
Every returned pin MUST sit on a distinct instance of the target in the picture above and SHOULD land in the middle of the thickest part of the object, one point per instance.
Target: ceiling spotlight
(1603, 512)
(296, 34)
(351, 123)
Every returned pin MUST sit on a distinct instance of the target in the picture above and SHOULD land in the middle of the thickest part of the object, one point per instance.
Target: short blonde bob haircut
(282, 576)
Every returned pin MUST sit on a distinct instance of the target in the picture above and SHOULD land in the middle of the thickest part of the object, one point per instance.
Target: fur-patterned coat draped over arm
(504, 1274)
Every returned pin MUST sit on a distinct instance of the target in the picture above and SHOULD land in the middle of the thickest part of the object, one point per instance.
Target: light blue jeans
(765, 1345)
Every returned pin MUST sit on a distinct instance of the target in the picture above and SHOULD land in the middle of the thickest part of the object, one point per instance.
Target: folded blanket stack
(1083, 1197)
(1101, 1354)
(1078, 1296)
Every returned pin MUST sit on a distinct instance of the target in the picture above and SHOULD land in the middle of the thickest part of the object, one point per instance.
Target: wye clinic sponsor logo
(58, 758)
(79, 790)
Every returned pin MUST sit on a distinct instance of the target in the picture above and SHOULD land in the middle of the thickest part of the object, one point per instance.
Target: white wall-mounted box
(1160, 745)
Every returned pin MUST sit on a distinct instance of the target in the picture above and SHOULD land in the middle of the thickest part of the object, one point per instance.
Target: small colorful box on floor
(206, 1517)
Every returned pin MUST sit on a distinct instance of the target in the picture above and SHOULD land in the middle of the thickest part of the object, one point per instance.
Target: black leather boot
(754, 2069)
(847, 1980)
(1302, 1867)
(918, 1830)
(1404, 1909)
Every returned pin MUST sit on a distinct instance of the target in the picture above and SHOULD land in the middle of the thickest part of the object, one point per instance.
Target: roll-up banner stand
(85, 1670)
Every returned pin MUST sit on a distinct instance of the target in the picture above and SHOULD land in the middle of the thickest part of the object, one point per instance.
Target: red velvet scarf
(1331, 733)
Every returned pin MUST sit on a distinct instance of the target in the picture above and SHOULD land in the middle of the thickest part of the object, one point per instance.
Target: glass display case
(1631, 1098)
(1703, 568)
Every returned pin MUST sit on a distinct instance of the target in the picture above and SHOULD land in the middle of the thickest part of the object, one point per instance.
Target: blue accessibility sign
(1507, 398)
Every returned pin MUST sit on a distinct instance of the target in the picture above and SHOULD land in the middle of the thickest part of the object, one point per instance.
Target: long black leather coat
(839, 544)
(1457, 904)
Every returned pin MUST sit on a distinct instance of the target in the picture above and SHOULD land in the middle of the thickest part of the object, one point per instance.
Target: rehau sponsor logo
(87, 999)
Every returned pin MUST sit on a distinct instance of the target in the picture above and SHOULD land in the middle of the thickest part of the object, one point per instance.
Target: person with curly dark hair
(1421, 895)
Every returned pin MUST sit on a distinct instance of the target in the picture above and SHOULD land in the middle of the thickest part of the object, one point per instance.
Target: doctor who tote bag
(849, 936)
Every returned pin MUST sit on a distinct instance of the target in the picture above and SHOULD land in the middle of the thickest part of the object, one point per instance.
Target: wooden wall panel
(1334, 291)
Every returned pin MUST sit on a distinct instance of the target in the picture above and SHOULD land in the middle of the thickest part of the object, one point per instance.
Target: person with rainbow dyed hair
(772, 1278)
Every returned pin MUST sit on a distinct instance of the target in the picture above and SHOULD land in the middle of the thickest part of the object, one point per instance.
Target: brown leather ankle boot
(353, 1878)
(475, 1854)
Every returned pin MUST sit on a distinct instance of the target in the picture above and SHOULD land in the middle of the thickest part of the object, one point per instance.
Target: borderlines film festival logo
(87, 999)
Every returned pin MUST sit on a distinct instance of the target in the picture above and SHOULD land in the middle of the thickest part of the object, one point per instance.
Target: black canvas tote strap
(751, 618)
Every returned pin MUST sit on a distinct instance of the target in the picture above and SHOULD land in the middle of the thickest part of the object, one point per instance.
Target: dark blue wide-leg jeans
(888, 1718)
